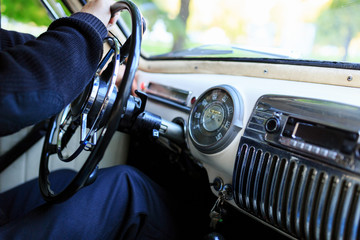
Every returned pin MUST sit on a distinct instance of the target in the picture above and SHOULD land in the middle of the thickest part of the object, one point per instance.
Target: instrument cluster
(215, 119)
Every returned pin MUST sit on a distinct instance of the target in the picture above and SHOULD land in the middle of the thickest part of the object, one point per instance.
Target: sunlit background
(304, 29)
(308, 29)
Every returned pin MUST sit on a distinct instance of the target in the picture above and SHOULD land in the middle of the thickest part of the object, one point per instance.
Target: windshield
(325, 30)
(296, 29)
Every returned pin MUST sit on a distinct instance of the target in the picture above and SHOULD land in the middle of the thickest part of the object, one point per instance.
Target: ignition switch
(224, 190)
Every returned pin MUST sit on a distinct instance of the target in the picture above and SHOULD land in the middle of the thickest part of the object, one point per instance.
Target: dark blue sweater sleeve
(11, 38)
(39, 77)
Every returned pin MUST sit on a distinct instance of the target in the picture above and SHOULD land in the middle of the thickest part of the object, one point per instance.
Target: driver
(39, 77)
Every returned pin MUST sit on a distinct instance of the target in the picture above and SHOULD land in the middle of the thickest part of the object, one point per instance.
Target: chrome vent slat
(335, 233)
(325, 183)
(301, 202)
(310, 204)
(290, 213)
(345, 213)
(240, 156)
(331, 211)
(314, 206)
(274, 189)
(352, 230)
(298, 197)
(327, 202)
(247, 163)
(259, 182)
(265, 192)
(279, 203)
(298, 183)
(245, 156)
(251, 179)
(284, 195)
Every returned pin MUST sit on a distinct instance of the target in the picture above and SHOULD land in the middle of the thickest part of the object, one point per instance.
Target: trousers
(122, 203)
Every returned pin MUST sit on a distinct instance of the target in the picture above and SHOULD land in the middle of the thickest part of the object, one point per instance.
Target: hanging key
(215, 217)
(217, 211)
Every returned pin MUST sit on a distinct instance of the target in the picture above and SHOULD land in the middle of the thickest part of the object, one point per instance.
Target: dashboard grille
(302, 197)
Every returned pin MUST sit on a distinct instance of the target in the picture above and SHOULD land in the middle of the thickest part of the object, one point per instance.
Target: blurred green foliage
(154, 12)
(25, 11)
(342, 15)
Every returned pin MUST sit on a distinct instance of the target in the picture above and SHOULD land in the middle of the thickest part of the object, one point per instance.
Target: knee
(123, 176)
(121, 171)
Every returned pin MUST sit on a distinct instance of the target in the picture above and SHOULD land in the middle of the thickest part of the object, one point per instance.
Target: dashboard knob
(272, 125)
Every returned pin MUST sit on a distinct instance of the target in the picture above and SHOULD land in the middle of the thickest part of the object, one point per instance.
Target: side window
(29, 16)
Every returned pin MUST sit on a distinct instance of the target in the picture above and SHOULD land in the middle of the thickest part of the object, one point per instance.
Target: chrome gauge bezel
(225, 101)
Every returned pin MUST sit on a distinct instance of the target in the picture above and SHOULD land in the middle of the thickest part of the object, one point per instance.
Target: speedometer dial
(215, 119)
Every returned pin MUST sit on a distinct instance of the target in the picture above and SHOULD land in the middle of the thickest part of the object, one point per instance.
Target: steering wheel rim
(118, 108)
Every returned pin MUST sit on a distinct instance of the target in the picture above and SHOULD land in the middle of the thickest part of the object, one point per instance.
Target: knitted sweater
(39, 77)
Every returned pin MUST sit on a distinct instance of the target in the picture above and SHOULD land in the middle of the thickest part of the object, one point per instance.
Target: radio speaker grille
(304, 199)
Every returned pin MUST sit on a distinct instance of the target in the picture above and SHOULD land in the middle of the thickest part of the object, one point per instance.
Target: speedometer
(215, 119)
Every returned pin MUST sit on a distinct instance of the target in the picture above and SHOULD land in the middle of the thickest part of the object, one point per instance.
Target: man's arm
(11, 38)
(39, 78)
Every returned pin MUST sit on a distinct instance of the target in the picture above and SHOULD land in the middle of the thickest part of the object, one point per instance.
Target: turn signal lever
(136, 119)
(156, 126)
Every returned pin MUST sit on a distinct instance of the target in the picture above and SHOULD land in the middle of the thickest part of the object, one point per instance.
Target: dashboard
(281, 136)
(289, 149)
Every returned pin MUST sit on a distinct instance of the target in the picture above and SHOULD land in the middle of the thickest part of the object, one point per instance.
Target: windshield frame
(300, 62)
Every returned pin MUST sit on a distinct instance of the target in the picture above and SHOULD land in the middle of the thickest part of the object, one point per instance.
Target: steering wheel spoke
(83, 126)
(67, 128)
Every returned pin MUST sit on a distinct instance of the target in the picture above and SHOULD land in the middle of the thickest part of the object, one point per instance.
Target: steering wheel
(97, 111)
